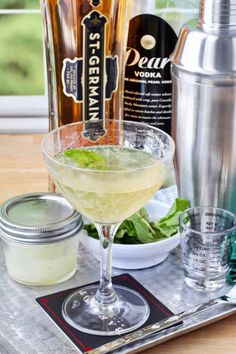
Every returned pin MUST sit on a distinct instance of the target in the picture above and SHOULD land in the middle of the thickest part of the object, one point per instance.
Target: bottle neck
(217, 15)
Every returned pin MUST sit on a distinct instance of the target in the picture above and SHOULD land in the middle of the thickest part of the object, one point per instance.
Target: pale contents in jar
(44, 264)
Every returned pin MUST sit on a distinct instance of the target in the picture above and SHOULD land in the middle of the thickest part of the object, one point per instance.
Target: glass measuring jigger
(206, 245)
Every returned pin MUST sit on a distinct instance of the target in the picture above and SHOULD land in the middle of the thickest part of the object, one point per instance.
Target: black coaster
(52, 304)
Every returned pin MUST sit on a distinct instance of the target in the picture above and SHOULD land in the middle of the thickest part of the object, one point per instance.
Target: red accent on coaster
(52, 305)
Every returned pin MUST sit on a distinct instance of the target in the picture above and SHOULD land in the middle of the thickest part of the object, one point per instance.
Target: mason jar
(39, 233)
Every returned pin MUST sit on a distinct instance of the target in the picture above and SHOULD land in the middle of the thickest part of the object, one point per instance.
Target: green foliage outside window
(21, 50)
(185, 4)
(19, 4)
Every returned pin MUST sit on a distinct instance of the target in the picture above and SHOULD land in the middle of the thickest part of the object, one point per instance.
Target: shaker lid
(38, 218)
(204, 53)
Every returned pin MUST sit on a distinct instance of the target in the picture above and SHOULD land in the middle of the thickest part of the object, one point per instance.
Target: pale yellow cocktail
(128, 179)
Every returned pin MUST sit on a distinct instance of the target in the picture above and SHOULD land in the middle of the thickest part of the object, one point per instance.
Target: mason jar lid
(38, 218)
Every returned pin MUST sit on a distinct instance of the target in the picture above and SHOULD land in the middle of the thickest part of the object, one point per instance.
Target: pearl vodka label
(147, 81)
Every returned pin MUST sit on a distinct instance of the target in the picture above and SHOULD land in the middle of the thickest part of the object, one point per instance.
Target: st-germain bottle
(84, 44)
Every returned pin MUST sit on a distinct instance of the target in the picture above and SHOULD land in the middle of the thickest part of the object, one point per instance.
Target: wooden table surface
(23, 171)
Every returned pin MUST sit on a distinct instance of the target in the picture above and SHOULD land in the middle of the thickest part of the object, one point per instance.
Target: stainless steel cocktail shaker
(204, 107)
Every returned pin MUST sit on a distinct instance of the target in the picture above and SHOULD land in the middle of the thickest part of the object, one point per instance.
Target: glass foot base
(84, 313)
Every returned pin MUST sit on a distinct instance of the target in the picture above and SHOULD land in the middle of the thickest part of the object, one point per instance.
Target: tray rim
(175, 332)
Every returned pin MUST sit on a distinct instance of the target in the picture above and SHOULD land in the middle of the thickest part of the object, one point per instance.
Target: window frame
(24, 113)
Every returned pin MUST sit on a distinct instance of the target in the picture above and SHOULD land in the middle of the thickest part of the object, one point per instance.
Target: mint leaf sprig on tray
(138, 229)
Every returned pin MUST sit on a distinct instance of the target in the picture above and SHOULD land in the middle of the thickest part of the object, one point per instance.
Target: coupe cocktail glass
(133, 161)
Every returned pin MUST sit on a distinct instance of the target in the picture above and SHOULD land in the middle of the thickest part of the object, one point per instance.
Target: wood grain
(22, 170)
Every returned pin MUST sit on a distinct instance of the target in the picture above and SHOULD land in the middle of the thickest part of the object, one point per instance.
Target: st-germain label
(93, 78)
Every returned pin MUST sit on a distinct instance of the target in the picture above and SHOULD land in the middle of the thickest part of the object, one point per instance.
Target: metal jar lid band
(38, 218)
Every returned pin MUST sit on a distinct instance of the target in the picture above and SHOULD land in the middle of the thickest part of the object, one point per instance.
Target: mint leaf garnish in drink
(87, 159)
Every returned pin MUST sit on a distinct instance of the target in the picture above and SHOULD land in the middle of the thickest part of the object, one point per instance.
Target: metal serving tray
(26, 329)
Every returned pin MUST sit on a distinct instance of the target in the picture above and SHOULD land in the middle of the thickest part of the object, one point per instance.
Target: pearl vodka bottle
(152, 36)
(204, 107)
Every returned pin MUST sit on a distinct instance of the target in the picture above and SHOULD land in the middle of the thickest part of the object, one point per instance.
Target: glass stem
(105, 293)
